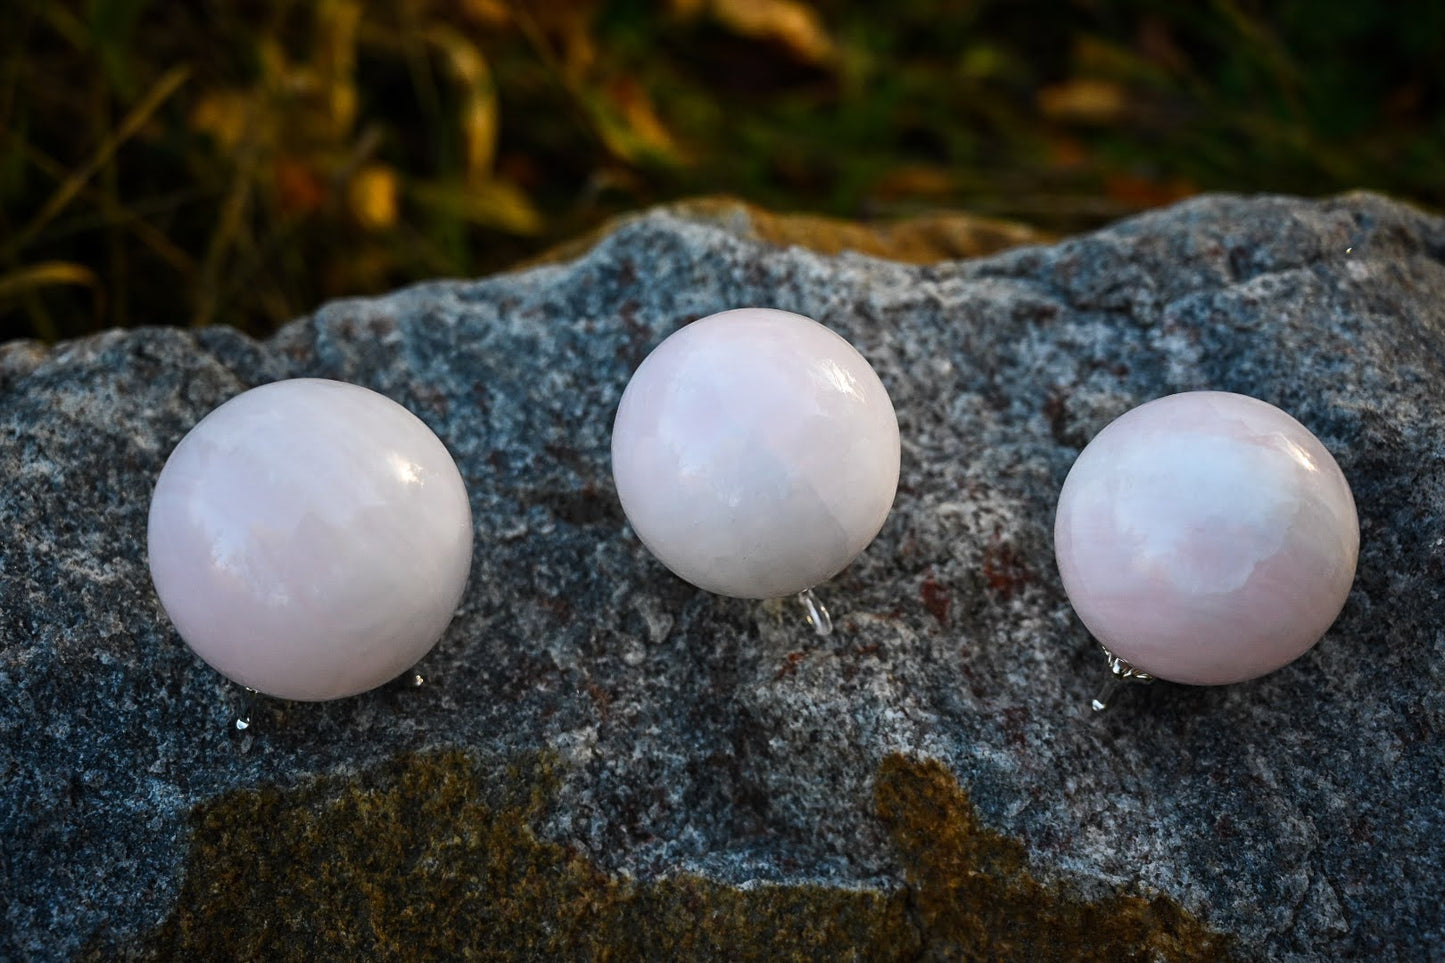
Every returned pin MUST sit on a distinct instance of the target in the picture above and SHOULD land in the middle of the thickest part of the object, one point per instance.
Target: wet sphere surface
(310, 539)
(756, 453)
(1206, 537)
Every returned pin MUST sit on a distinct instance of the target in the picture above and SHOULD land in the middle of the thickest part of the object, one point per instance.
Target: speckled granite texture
(715, 741)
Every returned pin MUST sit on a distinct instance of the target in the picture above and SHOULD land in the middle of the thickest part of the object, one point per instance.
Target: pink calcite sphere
(755, 453)
(310, 539)
(1206, 538)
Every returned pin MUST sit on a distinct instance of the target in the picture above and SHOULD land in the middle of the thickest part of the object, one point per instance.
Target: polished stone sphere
(310, 539)
(1206, 538)
(755, 453)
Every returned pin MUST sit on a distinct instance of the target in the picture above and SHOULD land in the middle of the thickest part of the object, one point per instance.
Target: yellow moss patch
(976, 899)
(425, 859)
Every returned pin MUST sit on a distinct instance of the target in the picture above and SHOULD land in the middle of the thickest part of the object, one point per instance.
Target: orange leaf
(1067, 153)
(299, 189)
(628, 122)
(1142, 192)
(487, 13)
(916, 180)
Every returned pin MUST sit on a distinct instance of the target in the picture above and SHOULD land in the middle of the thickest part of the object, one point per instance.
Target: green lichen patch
(429, 857)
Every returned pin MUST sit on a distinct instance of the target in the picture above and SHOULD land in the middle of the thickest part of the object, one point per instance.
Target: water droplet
(246, 705)
(816, 613)
(1107, 691)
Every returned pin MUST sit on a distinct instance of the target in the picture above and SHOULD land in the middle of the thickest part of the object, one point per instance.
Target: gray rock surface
(1302, 812)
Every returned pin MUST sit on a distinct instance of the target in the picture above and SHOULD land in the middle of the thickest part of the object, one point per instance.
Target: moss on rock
(975, 898)
(429, 857)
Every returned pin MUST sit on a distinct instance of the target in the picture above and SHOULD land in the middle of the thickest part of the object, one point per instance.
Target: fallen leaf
(487, 13)
(629, 124)
(1084, 100)
(497, 204)
(299, 190)
(503, 206)
(372, 196)
(1141, 192)
(1067, 153)
(915, 180)
(222, 115)
(789, 22)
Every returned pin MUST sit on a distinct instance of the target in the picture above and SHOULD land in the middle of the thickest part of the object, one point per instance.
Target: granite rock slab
(1300, 815)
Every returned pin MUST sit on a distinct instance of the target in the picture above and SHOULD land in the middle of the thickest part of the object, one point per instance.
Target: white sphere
(310, 539)
(1206, 537)
(755, 453)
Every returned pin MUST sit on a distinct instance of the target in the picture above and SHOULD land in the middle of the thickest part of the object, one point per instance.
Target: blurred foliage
(186, 163)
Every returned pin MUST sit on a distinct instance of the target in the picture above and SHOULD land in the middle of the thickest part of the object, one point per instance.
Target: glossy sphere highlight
(1206, 538)
(755, 453)
(310, 539)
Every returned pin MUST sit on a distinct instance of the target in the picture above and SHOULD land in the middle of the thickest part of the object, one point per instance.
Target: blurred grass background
(239, 162)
